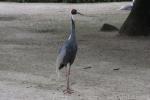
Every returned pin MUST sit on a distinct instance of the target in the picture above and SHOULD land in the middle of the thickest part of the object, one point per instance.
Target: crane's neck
(72, 35)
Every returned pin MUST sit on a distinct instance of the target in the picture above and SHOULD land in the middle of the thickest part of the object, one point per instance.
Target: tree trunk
(138, 21)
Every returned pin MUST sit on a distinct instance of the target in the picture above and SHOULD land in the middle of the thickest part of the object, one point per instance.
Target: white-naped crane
(68, 51)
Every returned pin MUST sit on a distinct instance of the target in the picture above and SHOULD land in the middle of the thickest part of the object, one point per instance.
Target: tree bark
(138, 21)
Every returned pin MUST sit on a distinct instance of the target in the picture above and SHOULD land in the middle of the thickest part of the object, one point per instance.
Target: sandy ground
(31, 34)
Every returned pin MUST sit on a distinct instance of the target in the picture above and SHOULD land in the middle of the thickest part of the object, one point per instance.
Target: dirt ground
(31, 34)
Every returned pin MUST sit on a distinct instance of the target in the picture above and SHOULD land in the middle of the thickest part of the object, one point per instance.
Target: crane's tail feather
(61, 66)
(57, 72)
(57, 69)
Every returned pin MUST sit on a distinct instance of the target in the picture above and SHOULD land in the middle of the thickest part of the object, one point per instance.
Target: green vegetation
(66, 1)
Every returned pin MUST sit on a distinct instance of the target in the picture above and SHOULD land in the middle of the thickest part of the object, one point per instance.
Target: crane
(67, 52)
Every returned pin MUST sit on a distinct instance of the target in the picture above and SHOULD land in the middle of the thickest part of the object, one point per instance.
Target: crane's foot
(68, 91)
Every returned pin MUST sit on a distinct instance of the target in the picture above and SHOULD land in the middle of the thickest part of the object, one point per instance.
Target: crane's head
(74, 12)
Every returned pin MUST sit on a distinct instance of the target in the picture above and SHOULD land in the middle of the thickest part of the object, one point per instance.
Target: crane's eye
(73, 11)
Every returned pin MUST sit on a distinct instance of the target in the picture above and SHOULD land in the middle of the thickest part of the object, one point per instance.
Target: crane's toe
(68, 91)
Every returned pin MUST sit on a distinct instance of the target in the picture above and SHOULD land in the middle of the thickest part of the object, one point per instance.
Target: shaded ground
(31, 34)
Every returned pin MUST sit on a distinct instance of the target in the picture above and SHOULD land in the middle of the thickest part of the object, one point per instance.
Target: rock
(116, 69)
(108, 28)
(88, 67)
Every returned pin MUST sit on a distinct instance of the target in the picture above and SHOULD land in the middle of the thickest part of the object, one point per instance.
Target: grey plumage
(68, 51)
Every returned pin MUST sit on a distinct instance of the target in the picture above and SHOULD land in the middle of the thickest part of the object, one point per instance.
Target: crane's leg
(66, 71)
(68, 90)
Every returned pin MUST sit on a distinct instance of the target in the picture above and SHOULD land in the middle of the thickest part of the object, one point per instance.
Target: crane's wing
(66, 55)
(60, 57)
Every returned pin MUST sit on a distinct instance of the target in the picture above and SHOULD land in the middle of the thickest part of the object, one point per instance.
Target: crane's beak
(85, 15)
(80, 14)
